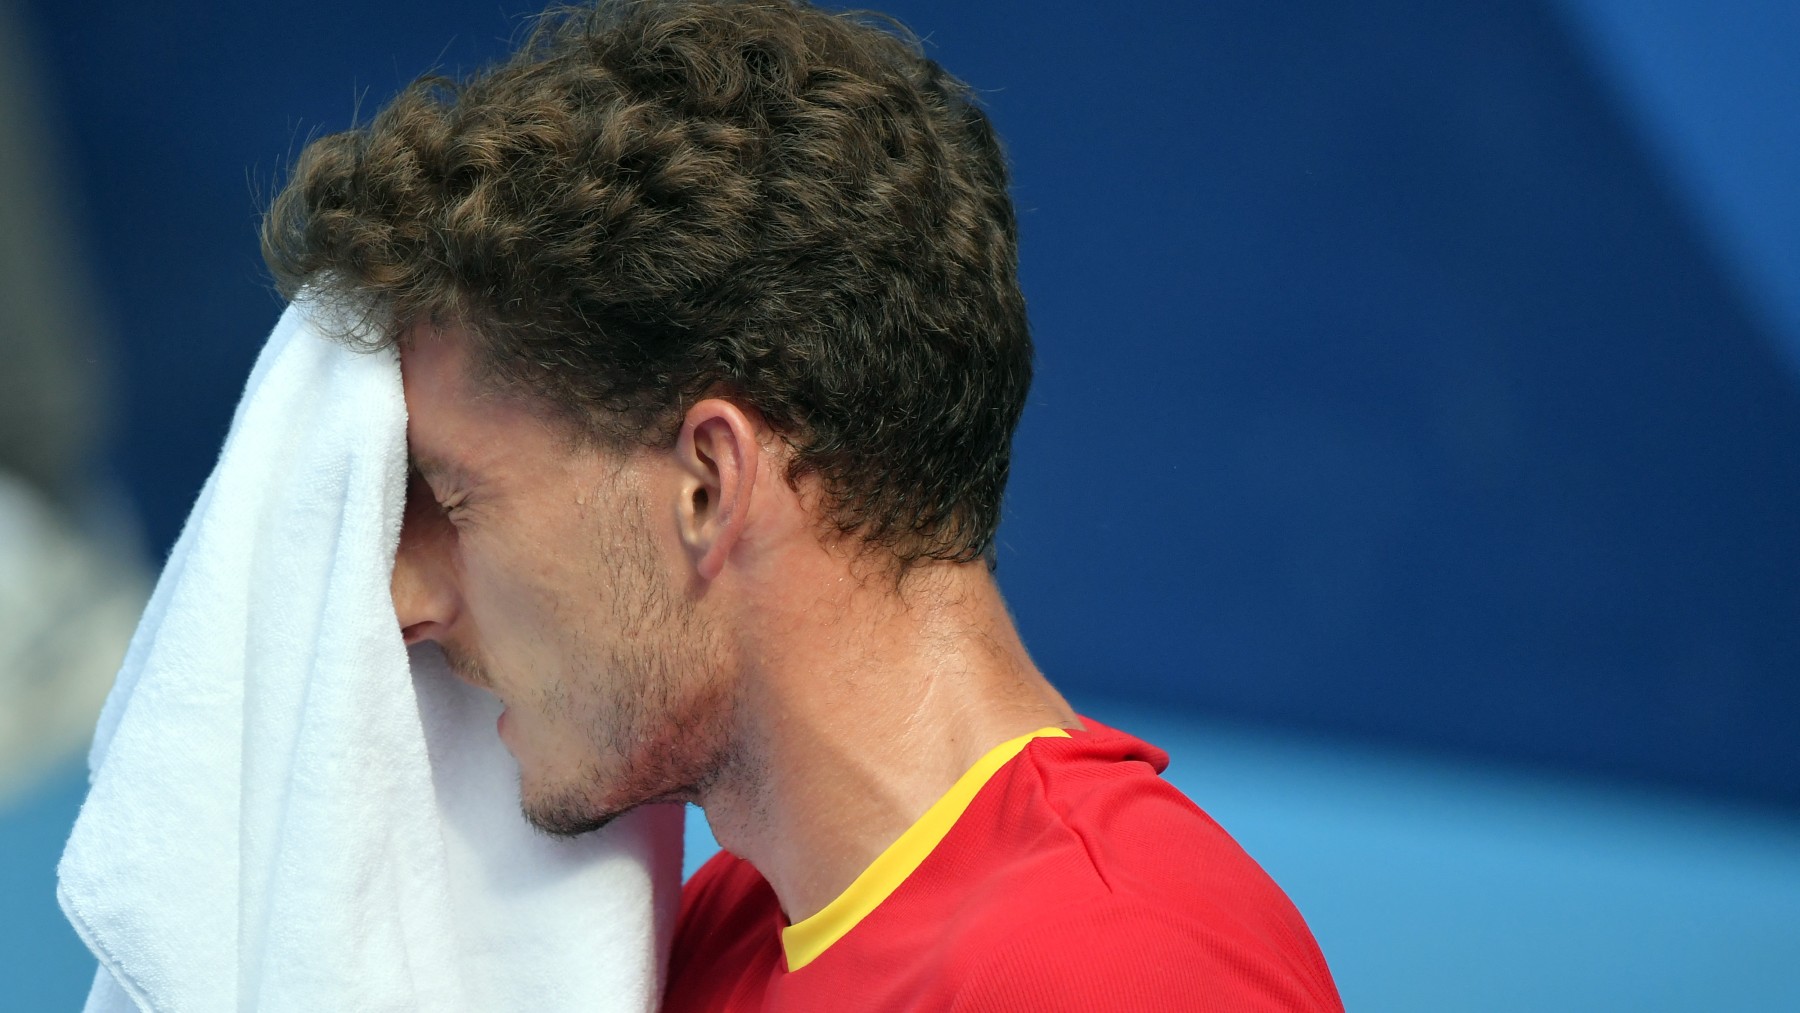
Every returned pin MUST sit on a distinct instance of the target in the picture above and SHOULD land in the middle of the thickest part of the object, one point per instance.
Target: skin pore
(669, 623)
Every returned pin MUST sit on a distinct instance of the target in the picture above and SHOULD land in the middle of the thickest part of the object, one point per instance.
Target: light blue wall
(43, 966)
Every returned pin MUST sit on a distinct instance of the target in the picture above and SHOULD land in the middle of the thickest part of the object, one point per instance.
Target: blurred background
(1415, 451)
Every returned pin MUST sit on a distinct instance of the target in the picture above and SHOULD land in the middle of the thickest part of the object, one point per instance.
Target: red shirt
(1061, 873)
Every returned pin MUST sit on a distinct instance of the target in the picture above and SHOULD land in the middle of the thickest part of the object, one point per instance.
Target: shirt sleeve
(1127, 956)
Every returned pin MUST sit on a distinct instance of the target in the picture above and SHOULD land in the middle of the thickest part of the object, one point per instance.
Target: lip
(500, 724)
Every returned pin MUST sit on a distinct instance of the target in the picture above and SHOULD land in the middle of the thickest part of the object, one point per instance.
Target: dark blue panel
(1384, 387)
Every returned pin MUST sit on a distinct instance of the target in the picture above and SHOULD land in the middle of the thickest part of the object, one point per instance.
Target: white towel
(281, 816)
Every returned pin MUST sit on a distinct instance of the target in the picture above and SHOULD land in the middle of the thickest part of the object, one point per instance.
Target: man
(713, 351)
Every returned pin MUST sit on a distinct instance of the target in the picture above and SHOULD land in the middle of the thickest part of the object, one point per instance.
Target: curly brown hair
(654, 201)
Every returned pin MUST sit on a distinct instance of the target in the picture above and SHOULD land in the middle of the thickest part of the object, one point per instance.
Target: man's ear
(718, 454)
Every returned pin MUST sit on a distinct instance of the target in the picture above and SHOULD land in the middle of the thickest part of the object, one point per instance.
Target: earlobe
(718, 455)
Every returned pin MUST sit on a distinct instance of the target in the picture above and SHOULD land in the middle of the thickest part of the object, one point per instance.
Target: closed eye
(447, 506)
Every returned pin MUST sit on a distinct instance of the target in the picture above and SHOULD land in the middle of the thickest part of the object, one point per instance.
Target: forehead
(453, 419)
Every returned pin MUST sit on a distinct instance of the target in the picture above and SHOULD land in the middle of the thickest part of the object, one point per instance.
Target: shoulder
(1135, 834)
(1127, 954)
(1124, 894)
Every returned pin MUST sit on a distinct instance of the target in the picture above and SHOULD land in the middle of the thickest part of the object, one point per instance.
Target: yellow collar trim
(804, 940)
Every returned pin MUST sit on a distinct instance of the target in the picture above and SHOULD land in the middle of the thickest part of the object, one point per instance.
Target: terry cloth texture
(287, 811)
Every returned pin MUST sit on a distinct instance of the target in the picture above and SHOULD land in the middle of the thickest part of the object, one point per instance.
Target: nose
(423, 585)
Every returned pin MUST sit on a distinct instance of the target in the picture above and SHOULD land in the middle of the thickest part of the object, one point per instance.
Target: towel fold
(289, 812)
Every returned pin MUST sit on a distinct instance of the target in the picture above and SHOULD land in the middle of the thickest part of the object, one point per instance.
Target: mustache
(467, 667)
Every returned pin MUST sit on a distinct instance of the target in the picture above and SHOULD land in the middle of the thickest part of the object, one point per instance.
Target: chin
(560, 823)
(569, 805)
(568, 813)
(580, 805)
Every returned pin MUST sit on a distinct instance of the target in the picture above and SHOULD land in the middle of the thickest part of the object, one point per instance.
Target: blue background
(1416, 436)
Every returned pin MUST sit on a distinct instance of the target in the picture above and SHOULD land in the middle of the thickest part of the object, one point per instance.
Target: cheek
(532, 597)
(497, 587)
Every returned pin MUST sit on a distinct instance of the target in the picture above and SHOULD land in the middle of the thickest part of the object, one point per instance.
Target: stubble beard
(656, 709)
(664, 743)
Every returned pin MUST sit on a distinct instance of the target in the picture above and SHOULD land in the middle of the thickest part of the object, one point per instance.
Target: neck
(860, 708)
